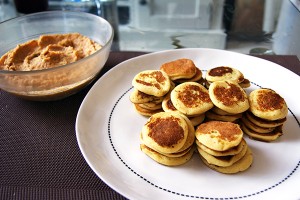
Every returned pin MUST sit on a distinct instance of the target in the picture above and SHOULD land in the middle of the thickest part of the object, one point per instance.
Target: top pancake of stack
(191, 98)
(267, 104)
(152, 82)
(219, 136)
(224, 73)
(165, 132)
(228, 96)
(180, 69)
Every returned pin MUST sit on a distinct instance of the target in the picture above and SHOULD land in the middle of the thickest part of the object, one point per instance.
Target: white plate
(108, 129)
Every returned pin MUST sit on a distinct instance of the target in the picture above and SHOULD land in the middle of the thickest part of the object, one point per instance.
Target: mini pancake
(225, 118)
(167, 104)
(139, 97)
(188, 143)
(189, 140)
(262, 122)
(191, 134)
(173, 85)
(254, 127)
(181, 151)
(232, 151)
(224, 73)
(165, 160)
(223, 161)
(245, 83)
(267, 104)
(177, 154)
(243, 164)
(219, 111)
(266, 137)
(144, 111)
(165, 132)
(152, 82)
(151, 106)
(196, 120)
(219, 136)
(195, 78)
(178, 69)
(191, 98)
(228, 96)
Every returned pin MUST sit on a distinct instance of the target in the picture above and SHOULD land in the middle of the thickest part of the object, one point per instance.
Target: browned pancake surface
(181, 68)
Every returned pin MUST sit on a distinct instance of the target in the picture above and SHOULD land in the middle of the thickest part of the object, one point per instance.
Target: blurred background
(244, 26)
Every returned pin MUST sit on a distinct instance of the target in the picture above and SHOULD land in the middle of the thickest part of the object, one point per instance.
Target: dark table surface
(39, 155)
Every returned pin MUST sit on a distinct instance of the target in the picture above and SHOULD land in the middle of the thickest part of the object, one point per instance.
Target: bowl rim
(33, 72)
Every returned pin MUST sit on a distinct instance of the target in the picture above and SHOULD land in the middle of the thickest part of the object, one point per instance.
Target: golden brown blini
(166, 160)
(152, 82)
(219, 136)
(255, 127)
(191, 98)
(197, 77)
(219, 111)
(196, 120)
(225, 118)
(267, 104)
(179, 69)
(167, 104)
(245, 83)
(151, 106)
(232, 151)
(224, 73)
(228, 96)
(263, 122)
(144, 111)
(223, 161)
(266, 137)
(139, 97)
(243, 164)
(165, 132)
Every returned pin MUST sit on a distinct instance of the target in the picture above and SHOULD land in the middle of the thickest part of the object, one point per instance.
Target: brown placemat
(39, 155)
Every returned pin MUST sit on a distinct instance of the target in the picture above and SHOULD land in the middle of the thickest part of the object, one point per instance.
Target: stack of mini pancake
(266, 116)
(222, 148)
(168, 106)
(223, 73)
(150, 87)
(168, 138)
(188, 97)
(177, 99)
(230, 101)
(182, 70)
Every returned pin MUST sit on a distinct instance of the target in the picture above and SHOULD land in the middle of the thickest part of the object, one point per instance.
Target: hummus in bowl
(48, 51)
(56, 57)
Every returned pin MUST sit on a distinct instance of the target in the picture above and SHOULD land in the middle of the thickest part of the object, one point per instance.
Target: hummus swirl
(48, 51)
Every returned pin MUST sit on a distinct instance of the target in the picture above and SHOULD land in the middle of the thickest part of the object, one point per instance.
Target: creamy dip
(48, 51)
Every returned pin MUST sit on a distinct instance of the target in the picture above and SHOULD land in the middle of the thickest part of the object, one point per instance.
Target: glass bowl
(58, 82)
